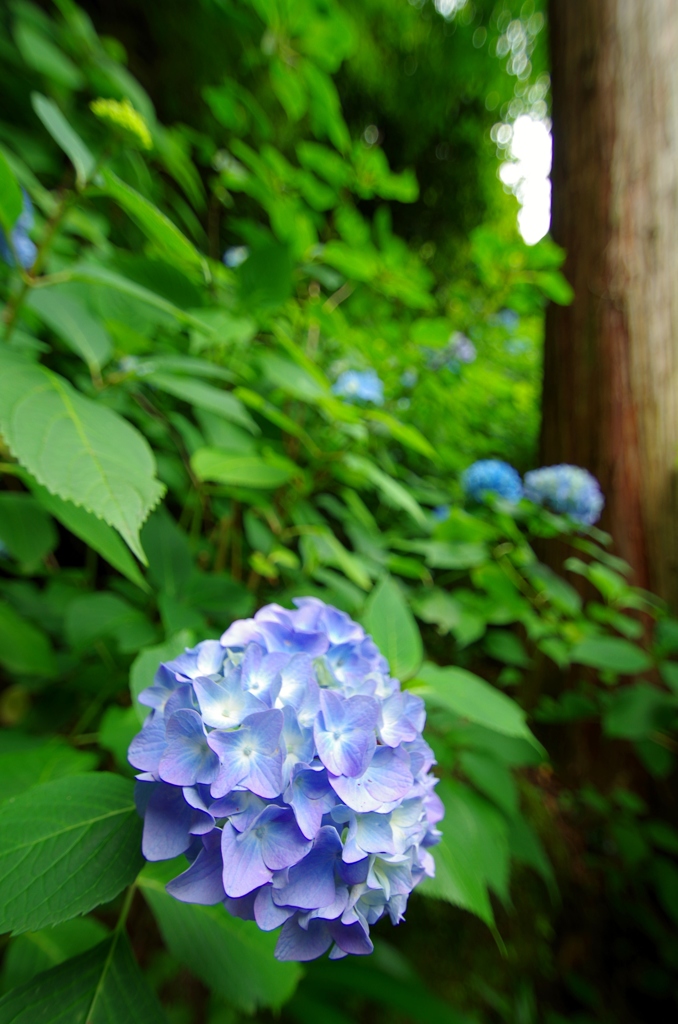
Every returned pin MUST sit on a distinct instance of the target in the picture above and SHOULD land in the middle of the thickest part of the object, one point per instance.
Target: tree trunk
(610, 400)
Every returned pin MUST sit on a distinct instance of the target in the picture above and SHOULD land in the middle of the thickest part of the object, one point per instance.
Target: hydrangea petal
(387, 778)
(187, 759)
(202, 882)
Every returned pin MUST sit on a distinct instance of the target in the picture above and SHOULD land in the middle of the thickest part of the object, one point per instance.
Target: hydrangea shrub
(20, 246)
(290, 768)
(569, 490)
(492, 476)
(361, 384)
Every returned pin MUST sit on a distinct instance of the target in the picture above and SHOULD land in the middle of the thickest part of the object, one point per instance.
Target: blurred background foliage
(343, 155)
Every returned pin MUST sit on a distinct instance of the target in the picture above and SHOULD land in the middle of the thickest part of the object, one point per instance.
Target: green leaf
(471, 697)
(147, 662)
(33, 952)
(117, 729)
(33, 762)
(233, 957)
(25, 528)
(204, 396)
(403, 432)
(93, 616)
(11, 200)
(77, 448)
(237, 471)
(59, 307)
(66, 847)
(102, 986)
(394, 492)
(391, 624)
(65, 137)
(93, 274)
(24, 649)
(152, 222)
(473, 855)
(636, 712)
(612, 654)
(492, 778)
(170, 564)
(95, 533)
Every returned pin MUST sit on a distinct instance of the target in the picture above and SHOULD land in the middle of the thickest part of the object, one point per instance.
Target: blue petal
(311, 882)
(187, 758)
(351, 938)
(297, 943)
(282, 842)
(224, 705)
(388, 778)
(266, 913)
(251, 756)
(202, 881)
(244, 868)
(166, 823)
(344, 732)
(149, 745)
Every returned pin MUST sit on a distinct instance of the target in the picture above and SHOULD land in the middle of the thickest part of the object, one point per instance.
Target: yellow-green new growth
(123, 115)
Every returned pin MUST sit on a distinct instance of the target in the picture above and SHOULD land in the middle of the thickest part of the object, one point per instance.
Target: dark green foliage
(173, 456)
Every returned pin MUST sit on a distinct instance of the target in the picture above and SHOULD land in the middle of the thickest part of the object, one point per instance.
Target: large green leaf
(33, 952)
(238, 470)
(611, 653)
(391, 623)
(393, 491)
(95, 532)
(11, 201)
(25, 528)
(26, 761)
(152, 222)
(471, 697)
(77, 448)
(473, 856)
(233, 957)
(102, 986)
(24, 649)
(66, 847)
(61, 309)
(65, 137)
(92, 616)
(204, 396)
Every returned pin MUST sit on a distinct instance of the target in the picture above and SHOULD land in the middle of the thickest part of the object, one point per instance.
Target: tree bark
(610, 400)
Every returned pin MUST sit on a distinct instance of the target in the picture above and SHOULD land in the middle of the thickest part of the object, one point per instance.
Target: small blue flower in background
(24, 248)
(440, 513)
(235, 255)
(462, 348)
(362, 384)
(290, 769)
(492, 476)
(568, 490)
(409, 378)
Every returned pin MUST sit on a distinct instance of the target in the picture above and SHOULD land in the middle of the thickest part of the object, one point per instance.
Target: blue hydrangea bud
(362, 384)
(24, 248)
(492, 476)
(569, 490)
(290, 768)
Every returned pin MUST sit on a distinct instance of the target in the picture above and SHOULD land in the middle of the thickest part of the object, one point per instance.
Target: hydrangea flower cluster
(492, 476)
(236, 255)
(362, 384)
(569, 490)
(290, 769)
(458, 350)
(24, 248)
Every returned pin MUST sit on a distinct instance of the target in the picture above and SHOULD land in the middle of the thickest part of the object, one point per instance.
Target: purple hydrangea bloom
(24, 248)
(569, 490)
(492, 476)
(290, 768)
(362, 384)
